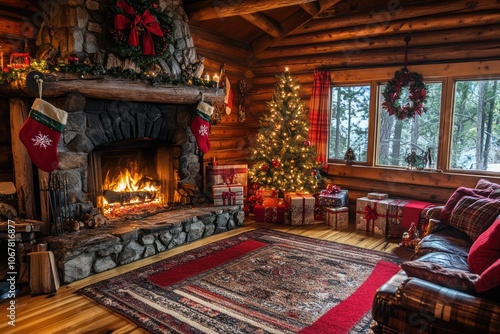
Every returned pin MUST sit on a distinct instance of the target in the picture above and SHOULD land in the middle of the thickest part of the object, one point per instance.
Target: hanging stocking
(41, 132)
(200, 126)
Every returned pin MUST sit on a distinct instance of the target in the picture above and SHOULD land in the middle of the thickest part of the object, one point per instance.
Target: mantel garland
(416, 99)
(141, 31)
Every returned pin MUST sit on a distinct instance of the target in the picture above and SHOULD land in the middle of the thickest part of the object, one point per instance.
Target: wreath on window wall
(141, 31)
(417, 94)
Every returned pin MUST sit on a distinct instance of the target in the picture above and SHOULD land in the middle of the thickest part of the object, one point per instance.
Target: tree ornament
(276, 163)
(307, 143)
(264, 167)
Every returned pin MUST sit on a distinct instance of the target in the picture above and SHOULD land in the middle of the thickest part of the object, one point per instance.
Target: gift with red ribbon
(144, 24)
(301, 206)
(225, 174)
(337, 218)
(272, 210)
(228, 194)
(371, 215)
(401, 213)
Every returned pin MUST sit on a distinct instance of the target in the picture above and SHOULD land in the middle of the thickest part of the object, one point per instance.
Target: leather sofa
(438, 291)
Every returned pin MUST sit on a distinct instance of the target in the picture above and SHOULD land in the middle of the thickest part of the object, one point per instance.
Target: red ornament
(307, 143)
(276, 163)
(265, 167)
(73, 58)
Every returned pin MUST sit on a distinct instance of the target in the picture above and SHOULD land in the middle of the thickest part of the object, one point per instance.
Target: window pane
(397, 138)
(349, 122)
(475, 143)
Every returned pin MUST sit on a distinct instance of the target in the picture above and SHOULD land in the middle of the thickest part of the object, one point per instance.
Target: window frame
(447, 75)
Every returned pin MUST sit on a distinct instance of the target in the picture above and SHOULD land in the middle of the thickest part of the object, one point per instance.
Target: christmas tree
(283, 158)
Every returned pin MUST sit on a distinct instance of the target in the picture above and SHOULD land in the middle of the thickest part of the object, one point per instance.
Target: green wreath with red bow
(141, 31)
(417, 95)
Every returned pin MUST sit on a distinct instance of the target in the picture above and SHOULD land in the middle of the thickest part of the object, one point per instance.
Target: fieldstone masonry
(78, 27)
(91, 251)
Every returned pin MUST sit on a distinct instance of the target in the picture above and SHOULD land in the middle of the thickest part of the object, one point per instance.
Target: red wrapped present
(272, 210)
(401, 213)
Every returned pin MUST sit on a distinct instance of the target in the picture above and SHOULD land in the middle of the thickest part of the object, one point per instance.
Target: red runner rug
(262, 281)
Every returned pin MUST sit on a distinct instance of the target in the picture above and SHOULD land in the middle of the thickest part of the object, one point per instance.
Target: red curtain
(318, 114)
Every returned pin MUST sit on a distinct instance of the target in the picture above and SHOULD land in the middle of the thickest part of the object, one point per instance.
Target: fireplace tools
(57, 192)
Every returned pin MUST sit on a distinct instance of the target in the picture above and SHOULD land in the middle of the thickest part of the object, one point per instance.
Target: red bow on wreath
(139, 23)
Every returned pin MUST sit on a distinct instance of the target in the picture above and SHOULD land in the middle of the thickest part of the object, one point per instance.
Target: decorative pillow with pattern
(474, 215)
(444, 215)
(434, 273)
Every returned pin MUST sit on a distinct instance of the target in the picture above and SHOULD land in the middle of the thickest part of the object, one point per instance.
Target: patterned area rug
(262, 281)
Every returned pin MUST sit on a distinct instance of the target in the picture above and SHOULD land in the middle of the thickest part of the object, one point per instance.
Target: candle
(215, 78)
(206, 77)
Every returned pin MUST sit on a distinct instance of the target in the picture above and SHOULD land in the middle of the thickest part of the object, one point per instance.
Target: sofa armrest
(430, 305)
(433, 212)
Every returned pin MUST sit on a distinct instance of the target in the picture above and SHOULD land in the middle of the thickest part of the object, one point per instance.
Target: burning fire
(129, 192)
(126, 182)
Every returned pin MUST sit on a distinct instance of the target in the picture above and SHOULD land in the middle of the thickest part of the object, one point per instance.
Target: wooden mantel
(115, 89)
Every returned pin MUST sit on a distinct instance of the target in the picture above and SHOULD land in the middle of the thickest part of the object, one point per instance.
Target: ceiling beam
(264, 23)
(209, 9)
(311, 8)
(295, 22)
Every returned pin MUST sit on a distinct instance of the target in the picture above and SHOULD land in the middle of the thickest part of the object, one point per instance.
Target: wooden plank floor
(67, 312)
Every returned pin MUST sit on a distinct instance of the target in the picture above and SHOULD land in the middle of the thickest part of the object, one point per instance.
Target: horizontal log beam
(126, 90)
(416, 25)
(385, 57)
(207, 10)
(418, 39)
(394, 11)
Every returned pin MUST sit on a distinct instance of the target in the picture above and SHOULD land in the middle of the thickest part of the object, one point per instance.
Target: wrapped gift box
(377, 196)
(301, 206)
(401, 213)
(334, 200)
(225, 174)
(371, 215)
(272, 210)
(337, 218)
(228, 194)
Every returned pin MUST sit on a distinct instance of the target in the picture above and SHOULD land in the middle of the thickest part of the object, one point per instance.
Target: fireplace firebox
(133, 177)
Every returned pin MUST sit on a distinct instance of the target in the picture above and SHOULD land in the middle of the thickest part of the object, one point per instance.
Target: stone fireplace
(146, 141)
(117, 126)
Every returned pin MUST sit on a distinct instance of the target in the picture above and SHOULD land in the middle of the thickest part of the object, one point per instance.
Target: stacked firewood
(92, 219)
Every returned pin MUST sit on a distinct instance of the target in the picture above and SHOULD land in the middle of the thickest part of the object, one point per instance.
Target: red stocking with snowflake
(41, 132)
(200, 126)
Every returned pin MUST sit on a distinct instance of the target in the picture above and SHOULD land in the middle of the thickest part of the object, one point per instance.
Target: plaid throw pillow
(474, 215)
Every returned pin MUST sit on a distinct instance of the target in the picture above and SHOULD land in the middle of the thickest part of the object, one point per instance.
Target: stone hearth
(91, 251)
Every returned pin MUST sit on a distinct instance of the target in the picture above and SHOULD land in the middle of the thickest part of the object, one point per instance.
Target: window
(349, 121)
(398, 138)
(475, 142)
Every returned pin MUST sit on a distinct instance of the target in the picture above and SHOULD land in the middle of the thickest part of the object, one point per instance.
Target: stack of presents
(379, 214)
(375, 213)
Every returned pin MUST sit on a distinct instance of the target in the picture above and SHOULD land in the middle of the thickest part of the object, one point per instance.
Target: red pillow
(485, 250)
(489, 279)
(444, 215)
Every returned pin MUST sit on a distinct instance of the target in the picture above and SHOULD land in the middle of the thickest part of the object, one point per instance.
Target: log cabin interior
(248, 44)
